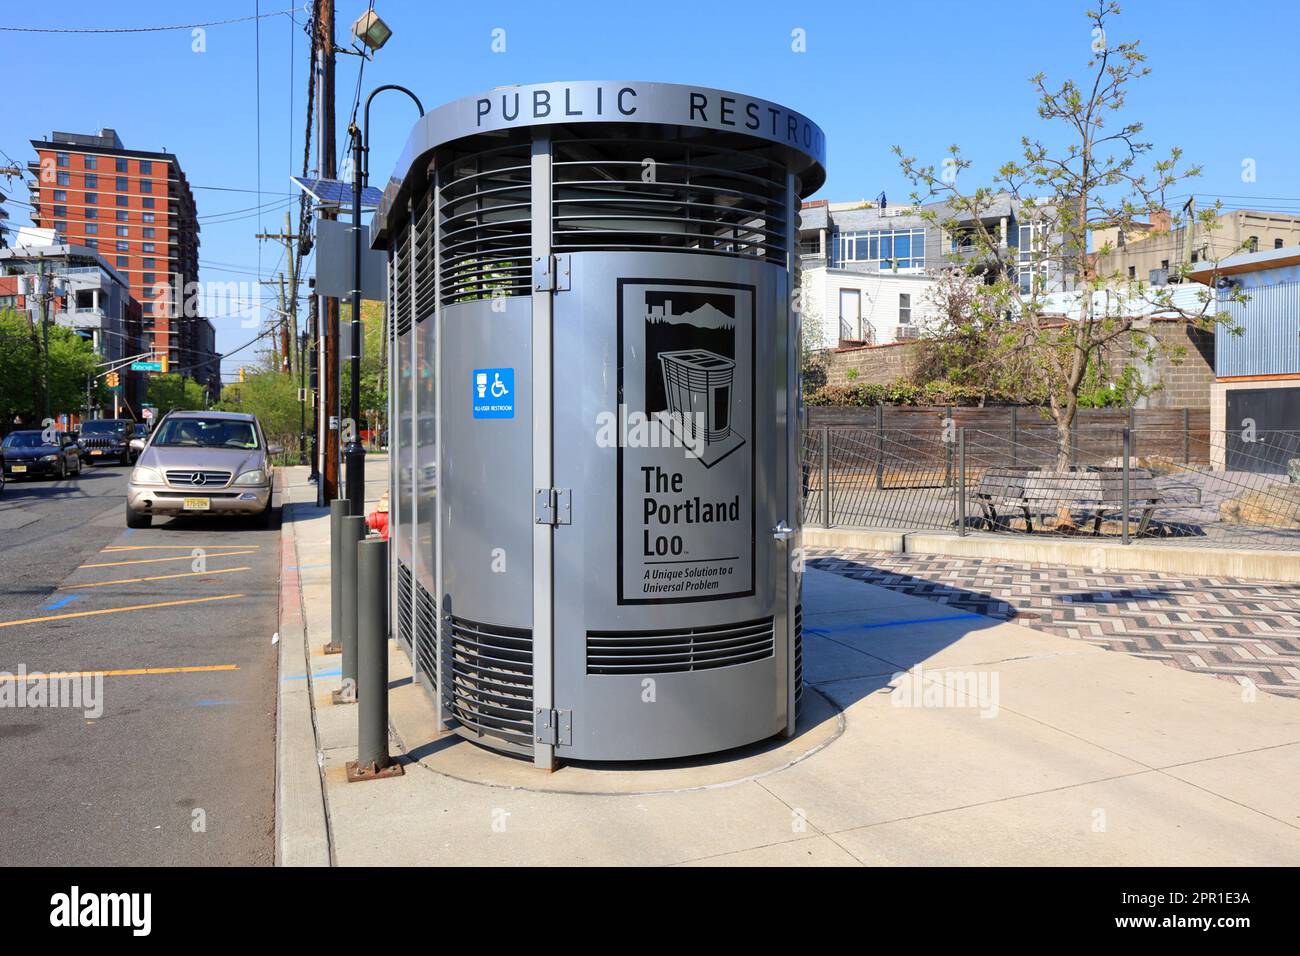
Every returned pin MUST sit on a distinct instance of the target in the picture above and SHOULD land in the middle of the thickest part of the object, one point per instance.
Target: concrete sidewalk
(929, 736)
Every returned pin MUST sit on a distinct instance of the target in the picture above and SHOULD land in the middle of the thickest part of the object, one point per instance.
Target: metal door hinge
(554, 727)
(553, 506)
(551, 273)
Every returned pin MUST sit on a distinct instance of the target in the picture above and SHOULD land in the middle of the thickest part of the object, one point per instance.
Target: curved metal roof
(610, 101)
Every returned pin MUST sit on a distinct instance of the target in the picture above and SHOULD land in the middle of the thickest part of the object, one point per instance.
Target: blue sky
(923, 75)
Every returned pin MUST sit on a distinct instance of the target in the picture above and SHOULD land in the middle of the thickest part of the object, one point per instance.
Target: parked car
(197, 463)
(33, 454)
(109, 439)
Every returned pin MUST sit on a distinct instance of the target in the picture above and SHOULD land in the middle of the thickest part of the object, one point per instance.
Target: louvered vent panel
(608, 196)
(675, 651)
(404, 629)
(402, 283)
(422, 256)
(491, 683)
(485, 224)
(426, 634)
(798, 654)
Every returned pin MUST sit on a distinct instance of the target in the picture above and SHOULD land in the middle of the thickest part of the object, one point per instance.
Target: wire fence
(1233, 490)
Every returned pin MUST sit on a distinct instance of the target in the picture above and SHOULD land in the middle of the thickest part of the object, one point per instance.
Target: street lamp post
(355, 453)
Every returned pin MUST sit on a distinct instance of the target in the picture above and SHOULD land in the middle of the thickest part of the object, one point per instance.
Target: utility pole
(285, 365)
(288, 310)
(329, 392)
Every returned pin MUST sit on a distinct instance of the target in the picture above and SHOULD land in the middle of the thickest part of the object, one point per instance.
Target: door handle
(782, 531)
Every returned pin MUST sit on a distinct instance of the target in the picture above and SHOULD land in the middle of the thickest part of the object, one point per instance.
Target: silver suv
(198, 463)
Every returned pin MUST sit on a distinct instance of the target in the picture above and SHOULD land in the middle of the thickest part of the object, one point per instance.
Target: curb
(1099, 555)
(302, 835)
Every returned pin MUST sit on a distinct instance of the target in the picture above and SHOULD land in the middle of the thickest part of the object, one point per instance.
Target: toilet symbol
(480, 383)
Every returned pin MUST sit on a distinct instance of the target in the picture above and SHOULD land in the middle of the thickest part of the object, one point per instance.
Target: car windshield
(24, 440)
(103, 427)
(206, 433)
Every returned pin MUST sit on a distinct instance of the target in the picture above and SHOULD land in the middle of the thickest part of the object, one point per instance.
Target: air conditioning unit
(906, 332)
(1158, 277)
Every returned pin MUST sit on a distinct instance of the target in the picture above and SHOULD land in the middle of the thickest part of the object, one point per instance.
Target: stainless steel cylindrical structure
(595, 377)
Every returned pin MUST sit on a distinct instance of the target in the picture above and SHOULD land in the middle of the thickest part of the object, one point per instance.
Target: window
(92, 213)
(123, 262)
(146, 166)
(1031, 258)
(1132, 272)
(148, 247)
(148, 278)
(60, 226)
(63, 179)
(90, 162)
(60, 195)
(146, 185)
(1277, 243)
(147, 308)
(92, 243)
(1164, 264)
(123, 200)
(123, 216)
(147, 216)
(92, 181)
(148, 262)
(123, 184)
(92, 228)
(123, 231)
(62, 159)
(60, 210)
(891, 248)
(120, 164)
(147, 203)
(147, 232)
(905, 308)
(123, 247)
(92, 199)
(1253, 244)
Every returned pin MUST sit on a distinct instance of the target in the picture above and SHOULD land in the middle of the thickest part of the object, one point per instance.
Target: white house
(850, 307)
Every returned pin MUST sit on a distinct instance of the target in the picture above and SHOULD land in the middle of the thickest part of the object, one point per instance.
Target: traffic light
(113, 379)
(162, 359)
(241, 373)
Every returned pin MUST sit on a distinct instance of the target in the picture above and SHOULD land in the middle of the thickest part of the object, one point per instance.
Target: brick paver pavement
(1235, 629)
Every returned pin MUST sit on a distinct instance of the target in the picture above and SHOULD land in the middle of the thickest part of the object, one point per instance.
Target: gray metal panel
(334, 261)
(694, 712)
(1270, 340)
(486, 479)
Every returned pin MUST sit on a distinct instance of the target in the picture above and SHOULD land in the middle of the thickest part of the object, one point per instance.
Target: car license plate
(96, 451)
(17, 469)
(196, 504)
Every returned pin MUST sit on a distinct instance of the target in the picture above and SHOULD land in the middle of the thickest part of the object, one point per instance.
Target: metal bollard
(373, 761)
(353, 530)
(961, 482)
(338, 511)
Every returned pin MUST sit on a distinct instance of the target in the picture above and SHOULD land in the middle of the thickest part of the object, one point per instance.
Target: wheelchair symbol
(498, 386)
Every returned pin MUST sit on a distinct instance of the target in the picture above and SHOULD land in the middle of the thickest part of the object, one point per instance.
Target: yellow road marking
(118, 610)
(155, 577)
(128, 672)
(179, 557)
(172, 547)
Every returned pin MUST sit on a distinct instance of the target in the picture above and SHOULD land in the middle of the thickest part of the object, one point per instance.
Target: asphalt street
(179, 766)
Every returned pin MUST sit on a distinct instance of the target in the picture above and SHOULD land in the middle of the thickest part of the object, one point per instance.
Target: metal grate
(675, 651)
(798, 655)
(491, 685)
(402, 282)
(657, 195)
(426, 634)
(404, 603)
(485, 224)
(199, 479)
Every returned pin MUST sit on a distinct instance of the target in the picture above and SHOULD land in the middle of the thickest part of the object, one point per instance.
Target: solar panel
(336, 193)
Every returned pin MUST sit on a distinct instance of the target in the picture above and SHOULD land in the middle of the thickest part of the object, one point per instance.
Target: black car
(31, 454)
(108, 440)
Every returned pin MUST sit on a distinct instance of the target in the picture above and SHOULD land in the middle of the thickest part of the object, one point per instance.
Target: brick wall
(875, 364)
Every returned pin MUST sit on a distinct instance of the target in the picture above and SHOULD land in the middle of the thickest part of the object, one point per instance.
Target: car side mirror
(275, 449)
(137, 444)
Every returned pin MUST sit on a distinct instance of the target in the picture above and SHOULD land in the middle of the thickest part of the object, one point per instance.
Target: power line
(177, 26)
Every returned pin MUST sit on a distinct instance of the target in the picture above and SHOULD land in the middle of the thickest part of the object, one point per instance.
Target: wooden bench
(1098, 491)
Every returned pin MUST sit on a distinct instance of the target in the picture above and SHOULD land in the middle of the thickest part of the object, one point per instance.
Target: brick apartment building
(136, 209)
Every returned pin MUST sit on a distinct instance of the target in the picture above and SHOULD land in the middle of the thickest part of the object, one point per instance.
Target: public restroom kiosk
(595, 391)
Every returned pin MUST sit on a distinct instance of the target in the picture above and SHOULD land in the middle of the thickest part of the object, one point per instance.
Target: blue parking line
(55, 605)
(300, 567)
(337, 673)
(922, 620)
(213, 703)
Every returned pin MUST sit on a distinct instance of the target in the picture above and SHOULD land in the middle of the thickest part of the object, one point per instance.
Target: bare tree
(1098, 174)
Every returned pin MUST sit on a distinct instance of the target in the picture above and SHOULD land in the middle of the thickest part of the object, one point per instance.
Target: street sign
(147, 412)
(146, 366)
